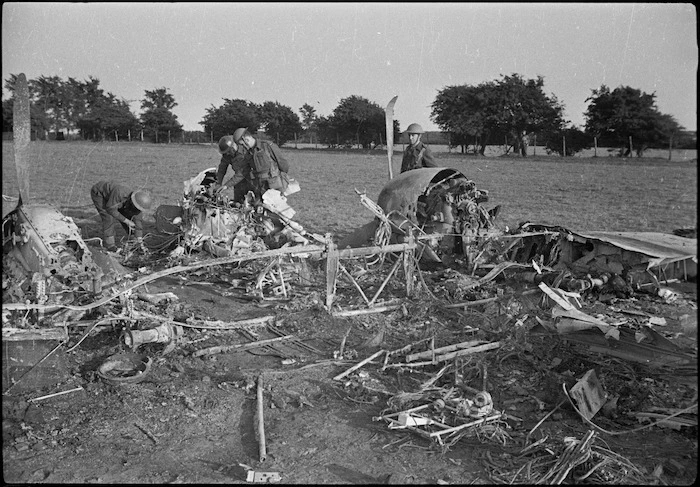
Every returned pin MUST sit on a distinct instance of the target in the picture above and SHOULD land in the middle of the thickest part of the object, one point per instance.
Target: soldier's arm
(428, 158)
(221, 171)
(282, 163)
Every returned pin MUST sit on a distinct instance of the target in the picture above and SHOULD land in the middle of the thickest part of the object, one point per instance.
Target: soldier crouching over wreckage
(233, 155)
(115, 202)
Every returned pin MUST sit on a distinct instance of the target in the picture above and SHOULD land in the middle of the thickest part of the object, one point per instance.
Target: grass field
(603, 193)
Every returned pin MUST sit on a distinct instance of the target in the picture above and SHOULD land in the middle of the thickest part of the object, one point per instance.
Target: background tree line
(510, 111)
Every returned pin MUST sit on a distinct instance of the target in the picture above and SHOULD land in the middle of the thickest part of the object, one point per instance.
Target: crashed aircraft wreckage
(438, 214)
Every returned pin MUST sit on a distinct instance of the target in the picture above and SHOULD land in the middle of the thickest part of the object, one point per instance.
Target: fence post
(116, 136)
(563, 145)
(534, 145)
(168, 136)
(630, 146)
(595, 146)
(670, 146)
(295, 140)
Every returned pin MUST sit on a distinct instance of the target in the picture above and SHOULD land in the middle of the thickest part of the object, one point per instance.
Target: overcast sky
(320, 53)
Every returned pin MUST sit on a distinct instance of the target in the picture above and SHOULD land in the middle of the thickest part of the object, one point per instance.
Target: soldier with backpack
(269, 168)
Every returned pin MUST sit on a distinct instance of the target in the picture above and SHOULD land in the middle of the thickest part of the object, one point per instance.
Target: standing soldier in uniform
(117, 203)
(233, 155)
(417, 154)
(269, 168)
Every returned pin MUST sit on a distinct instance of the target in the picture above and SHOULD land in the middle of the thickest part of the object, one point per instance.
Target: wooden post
(262, 449)
(534, 145)
(168, 136)
(332, 261)
(595, 146)
(22, 135)
(295, 140)
(630, 146)
(128, 134)
(116, 136)
(670, 146)
(141, 135)
(563, 145)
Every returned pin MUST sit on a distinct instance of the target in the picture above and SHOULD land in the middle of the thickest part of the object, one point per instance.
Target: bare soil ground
(192, 420)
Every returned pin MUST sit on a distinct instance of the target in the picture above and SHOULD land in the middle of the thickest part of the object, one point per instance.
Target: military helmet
(141, 200)
(238, 134)
(225, 143)
(414, 128)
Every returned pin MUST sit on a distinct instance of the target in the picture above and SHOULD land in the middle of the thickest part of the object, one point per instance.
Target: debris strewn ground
(538, 355)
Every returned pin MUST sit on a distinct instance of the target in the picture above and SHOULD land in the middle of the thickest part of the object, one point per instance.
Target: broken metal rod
(41, 398)
(367, 311)
(442, 350)
(354, 282)
(34, 367)
(385, 282)
(408, 347)
(467, 351)
(357, 366)
(296, 341)
(261, 423)
(239, 347)
(465, 425)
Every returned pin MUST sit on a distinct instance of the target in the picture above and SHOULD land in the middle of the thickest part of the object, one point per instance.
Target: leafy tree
(628, 112)
(7, 115)
(309, 121)
(158, 98)
(108, 118)
(233, 114)
(354, 120)
(512, 106)
(308, 116)
(573, 138)
(158, 121)
(48, 95)
(279, 122)
(461, 111)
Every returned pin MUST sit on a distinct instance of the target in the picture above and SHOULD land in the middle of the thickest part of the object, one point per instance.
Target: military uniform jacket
(269, 166)
(417, 156)
(239, 162)
(116, 201)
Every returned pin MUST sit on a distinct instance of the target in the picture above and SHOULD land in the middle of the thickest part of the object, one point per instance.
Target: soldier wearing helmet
(233, 155)
(117, 203)
(417, 154)
(269, 168)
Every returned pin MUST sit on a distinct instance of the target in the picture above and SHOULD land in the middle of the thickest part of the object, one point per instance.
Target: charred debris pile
(474, 331)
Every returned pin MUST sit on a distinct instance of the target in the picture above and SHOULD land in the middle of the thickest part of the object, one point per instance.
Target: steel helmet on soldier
(238, 134)
(141, 200)
(225, 143)
(414, 128)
